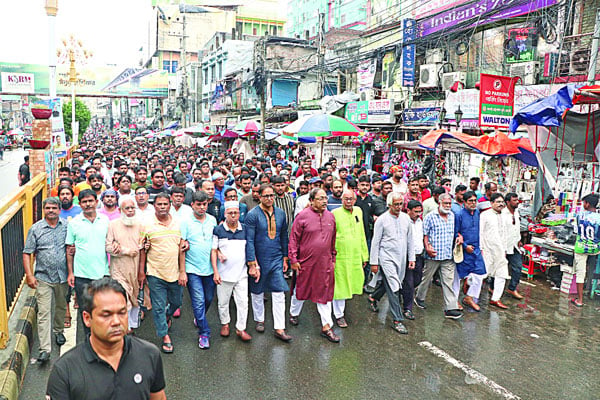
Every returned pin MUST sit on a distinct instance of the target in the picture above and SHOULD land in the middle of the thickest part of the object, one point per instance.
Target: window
(254, 31)
(274, 30)
(220, 70)
(212, 74)
(174, 66)
(205, 73)
(167, 66)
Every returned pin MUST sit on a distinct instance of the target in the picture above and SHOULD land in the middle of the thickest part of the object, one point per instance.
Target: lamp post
(458, 114)
(72, 51)
(51, 7)
(442, 117)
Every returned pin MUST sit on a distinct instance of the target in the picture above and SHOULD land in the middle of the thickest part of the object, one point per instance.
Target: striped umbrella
(320, 125)
(247, 127)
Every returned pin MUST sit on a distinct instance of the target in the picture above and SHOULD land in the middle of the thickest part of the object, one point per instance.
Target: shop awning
(490, 145)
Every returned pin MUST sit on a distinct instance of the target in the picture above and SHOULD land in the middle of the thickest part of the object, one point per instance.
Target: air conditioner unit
(449, 78)
(429, 75)
(434, 56)
(579, 61)
(527, 71)
(367, 95)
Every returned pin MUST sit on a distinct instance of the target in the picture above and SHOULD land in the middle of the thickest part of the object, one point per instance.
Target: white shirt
(513, 231)
(401, 187)
(417, 235)
(301, 203)
(184, 212)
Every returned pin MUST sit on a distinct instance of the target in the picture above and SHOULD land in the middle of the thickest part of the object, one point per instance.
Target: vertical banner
(496, 100)
(366, 74)
(408, 53)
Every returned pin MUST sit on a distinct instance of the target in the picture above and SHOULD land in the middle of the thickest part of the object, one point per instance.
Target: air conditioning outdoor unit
(367, 95)
(579, 61)
(434, 56)
(429, 75)
(527, 71)
(449, 78)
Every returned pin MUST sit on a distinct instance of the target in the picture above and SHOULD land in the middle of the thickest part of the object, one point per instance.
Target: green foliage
(82, 115)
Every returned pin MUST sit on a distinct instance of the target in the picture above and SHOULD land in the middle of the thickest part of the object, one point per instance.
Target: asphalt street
(541, 348)
(9, 167)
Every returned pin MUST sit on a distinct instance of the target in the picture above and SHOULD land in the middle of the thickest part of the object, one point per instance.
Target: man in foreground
(91, 370)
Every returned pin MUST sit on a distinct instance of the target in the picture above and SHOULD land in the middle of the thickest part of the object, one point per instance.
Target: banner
(391, 77)
(366, 74)
(496, 100)
(479, 13)
(17, 83)
(408, 53)
(426, 116)
(426, 8)
(371, 112)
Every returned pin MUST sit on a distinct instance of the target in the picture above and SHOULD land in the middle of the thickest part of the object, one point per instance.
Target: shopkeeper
(587, 242)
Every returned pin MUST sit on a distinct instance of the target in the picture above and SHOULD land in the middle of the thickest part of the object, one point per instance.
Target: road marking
(479, 377)
(70, 333)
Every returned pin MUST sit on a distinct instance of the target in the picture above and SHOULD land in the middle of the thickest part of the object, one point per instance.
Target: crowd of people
(158, 218)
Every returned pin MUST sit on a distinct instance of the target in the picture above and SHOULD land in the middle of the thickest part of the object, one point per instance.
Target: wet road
(8, 170)
(542, 348)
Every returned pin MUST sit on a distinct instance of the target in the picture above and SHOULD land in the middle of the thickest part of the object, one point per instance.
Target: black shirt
(24, 172)
(152, 192)
(81, 375)
(367, 207)
(214, 208)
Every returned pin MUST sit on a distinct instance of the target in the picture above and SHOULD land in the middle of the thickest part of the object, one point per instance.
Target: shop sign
(426, 8)
(479, 13)
(421, 116)
(408, 53)
(496, 100)
(524, 40)
(366, 74)
(18, 83)
(371, 112)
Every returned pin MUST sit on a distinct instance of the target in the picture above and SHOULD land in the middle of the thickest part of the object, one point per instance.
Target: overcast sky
(113, 30)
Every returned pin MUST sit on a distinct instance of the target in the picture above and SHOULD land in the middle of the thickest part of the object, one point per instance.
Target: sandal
(167, 347)
(372, 304)
(67, 322)
(577, 304)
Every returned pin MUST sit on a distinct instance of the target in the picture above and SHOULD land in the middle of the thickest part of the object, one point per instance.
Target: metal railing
(18, 211)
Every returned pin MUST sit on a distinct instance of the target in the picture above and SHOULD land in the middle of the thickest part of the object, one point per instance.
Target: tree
(82, 115)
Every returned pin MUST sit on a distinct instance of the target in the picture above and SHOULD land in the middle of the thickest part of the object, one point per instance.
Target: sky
(114, 30)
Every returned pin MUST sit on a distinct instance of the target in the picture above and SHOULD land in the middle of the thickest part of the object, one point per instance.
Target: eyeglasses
(268, 196)
(321, 198)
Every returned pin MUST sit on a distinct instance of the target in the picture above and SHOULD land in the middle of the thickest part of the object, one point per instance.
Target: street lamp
(442, 117)
(458, 114)
(72, 51)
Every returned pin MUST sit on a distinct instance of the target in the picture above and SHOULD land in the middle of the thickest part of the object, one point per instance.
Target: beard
(66, 204)
(128, 221)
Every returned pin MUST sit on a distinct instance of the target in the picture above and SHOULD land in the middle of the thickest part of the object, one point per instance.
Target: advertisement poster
(366, 74)
(496, 100)
(371, 112)
(408, 53)
(58, 128)
(391, 81)
(479, 13)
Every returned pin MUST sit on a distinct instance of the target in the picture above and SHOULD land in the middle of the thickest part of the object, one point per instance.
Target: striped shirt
(162, 259)
(440, 233)
(286, 203)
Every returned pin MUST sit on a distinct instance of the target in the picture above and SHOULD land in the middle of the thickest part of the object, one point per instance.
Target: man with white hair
(391, 247)
(438, 236)
(123, 245)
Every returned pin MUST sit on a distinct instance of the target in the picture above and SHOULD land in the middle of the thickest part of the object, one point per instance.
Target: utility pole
(321, 55)
(184, 81)
(594, 55)
(260, 84)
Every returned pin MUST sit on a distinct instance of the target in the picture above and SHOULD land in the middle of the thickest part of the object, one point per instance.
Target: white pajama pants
(498, 288)
(339, 306)
(239, 290)
(323, 309)
(258, 308)
(134, 317)
(474, 280)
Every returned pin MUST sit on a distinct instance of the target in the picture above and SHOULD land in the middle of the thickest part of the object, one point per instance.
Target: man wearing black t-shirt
(24, 174)
(109, 364)
(158, 185)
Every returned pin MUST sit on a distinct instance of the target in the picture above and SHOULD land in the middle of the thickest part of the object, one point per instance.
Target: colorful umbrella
(16, 131)
(247, 127)
(199, 130)
(150, 135)
(166, 133)
(147, 131)
(320, 125)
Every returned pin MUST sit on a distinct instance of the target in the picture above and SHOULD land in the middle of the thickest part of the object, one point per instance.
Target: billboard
(496, 100)
(371, 112)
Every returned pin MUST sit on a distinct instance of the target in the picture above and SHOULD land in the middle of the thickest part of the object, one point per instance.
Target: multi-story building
(303, 16)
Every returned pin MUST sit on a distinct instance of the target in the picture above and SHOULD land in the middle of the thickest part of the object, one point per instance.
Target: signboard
(371, 112)
(408, 53)
(479, 13)
(426, 8)
(428, 116)
(391, 77)
(21, 83)
(366, 74)
(496, 100)
(522, 45)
